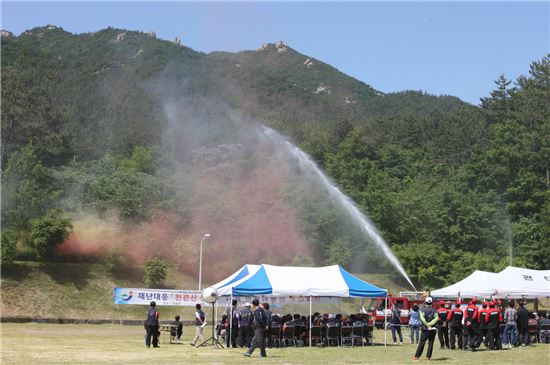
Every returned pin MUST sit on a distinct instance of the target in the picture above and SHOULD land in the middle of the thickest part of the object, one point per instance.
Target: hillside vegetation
(118, 147)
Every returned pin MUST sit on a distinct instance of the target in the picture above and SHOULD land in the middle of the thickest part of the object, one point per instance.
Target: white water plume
(345, 202)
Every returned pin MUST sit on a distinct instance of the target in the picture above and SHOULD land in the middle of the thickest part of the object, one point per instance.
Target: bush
(155, 271)
(47, 232)
(9, 244)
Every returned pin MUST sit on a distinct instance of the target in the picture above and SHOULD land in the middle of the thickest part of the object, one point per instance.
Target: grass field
(111, 344)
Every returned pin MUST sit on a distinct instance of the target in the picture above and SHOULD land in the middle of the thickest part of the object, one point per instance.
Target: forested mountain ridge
(85, 120)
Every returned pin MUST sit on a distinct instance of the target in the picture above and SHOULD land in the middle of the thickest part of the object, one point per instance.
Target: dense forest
(149, 143)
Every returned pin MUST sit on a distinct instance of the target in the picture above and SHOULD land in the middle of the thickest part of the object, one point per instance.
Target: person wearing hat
(443, 325)
(471, 323)
(454, 318)
(244, 319)
(429, 318)
(493, 318)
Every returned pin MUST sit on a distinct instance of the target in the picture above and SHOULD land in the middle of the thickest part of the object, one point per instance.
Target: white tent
(516, 282)
(512, 282)
(475, 285)
(225, 286)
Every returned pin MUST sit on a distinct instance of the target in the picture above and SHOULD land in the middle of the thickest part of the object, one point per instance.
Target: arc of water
(364, 222)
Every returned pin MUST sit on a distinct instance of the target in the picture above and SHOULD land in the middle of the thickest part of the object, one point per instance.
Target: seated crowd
(294, 330)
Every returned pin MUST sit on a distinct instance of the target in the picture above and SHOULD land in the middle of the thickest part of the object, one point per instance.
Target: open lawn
(114, 344)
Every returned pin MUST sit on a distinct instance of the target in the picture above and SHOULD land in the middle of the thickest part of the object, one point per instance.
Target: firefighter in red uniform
(471, 321)
(454, 318)
(442, 326)
(483, 324)
(493, 318)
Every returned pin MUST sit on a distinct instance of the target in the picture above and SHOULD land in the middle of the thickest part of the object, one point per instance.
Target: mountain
(118, 146)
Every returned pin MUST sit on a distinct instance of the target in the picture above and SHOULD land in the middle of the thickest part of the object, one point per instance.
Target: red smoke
(247, 216)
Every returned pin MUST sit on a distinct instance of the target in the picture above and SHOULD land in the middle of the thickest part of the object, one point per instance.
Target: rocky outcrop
(279, 46)
(322, 89)
(5, 34)
(308, 63)
(151, 34)
(119, 38)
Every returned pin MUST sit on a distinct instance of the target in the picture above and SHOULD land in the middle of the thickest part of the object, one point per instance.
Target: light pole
(200, 259)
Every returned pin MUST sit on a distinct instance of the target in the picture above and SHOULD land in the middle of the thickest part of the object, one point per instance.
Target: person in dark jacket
(493, 318)
(482, 324)
(429, 318)
(395, 324)
(152, 325)
(454, 318)
(523, 324)
(471, 322)
(442, 326)
(232, 330)
(244, 318)
(260, 327)
(177, 330)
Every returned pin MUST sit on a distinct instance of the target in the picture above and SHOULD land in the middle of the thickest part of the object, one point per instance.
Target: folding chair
(357, 334)
(333, 334)
(274, 335)
(317, 335)
(367, 334)
(288, 336)
(346, 335)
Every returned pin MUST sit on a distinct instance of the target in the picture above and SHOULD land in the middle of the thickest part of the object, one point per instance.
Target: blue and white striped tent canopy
(327, 281)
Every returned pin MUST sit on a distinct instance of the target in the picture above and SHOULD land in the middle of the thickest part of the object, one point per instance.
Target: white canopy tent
(472, 286)
(512, 282)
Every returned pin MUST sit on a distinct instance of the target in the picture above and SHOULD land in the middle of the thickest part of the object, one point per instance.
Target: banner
(188, 298)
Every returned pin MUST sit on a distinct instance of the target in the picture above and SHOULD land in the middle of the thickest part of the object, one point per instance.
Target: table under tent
(327, 281)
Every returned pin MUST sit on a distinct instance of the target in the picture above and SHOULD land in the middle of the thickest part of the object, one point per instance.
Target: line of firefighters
(469, 326)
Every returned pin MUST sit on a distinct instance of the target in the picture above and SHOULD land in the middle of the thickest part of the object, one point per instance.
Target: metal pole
(310, 321)
(230, 321)
(386, 321)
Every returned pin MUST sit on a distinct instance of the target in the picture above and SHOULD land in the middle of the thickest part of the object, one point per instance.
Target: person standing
(152, 325)
(482, 324)
(244, 320)
(442, 326)
(454, 318)
(414, 322)
(510, 319)
(200, 321)
(395, 324)
(523, 324)
(232, 331)
(471, 321)
(493, 318)
(260, 327)
(429, 318)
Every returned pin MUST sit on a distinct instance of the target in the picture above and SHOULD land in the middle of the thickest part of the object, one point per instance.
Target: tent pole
(310, 321)
(230, 321)
(386, 321)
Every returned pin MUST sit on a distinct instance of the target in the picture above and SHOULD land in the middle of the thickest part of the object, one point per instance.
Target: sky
(451, 48)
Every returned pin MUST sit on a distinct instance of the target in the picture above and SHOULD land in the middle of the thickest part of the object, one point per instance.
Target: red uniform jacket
(493, 317)
(442, 313)
(455, 316)
(471, 314)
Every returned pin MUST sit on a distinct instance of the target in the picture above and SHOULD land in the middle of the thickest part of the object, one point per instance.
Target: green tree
(27, 189)
(47, 232)
(155, 271)
(9, 246)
